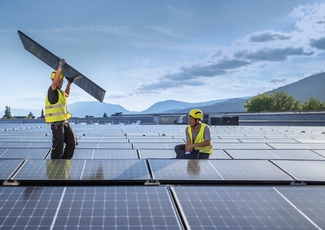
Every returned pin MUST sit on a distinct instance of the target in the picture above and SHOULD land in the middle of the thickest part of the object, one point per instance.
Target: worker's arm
(67, 89)
(190, 147)
(56, 78)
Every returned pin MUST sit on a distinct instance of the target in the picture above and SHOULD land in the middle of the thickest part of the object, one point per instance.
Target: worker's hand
(62, 63)
(70, 80)
(191, 148)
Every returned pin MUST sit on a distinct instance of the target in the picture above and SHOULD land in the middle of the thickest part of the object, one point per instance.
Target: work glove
(62, 63)
(70, 80)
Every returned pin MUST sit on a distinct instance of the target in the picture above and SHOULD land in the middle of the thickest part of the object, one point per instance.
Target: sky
(143, 51)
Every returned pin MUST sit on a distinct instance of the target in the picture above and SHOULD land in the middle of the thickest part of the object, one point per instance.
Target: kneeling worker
(198, 138)
(57, 115)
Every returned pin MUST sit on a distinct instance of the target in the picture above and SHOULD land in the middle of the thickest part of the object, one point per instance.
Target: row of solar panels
(168, 130)
(118, 153)
(162, 207)
(163, 171)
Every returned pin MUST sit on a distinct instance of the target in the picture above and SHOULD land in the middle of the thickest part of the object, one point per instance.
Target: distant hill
(313, 86)
(231, 105)
(96, 109)
(170, 106)
(303, 90)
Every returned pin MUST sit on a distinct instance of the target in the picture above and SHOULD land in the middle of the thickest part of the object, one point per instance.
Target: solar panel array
(127, 177)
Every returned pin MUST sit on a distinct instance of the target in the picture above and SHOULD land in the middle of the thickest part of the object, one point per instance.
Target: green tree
(30, 116)
(284, 102)
(42, 113)
(259, 103)
(117, 114)
(313, 104)
(278, 101)
(105, 115)
(7, 114)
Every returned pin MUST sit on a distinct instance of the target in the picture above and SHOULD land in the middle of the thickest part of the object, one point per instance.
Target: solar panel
(157, 140)
(319, 151)
(100, 139)
(249, 170)
(106, 145)
(146, 145)
(288, 146)
(308, 200)
(224, 140)
(116, 170)
(250, 154)
(52, 60)
(297, 154)
(315, 146)
(14, 145)
(241, 146)
(26, 153)
(2, 151)
(182, 170)
(156, 153)
(9, 140)
(309, 140)
(267, 140)
(304, 170)
(247, 208)
(83, 170)
(219, 154)
(8, 167)
(104, 154)
(87, 208)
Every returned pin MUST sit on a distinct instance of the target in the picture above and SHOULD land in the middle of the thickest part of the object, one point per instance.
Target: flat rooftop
(127, 177)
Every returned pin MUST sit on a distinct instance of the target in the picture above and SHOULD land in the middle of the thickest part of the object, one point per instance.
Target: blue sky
(143, 52)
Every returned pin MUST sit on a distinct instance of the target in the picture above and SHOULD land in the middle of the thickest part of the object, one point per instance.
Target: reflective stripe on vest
(58, 111)
(200, 138)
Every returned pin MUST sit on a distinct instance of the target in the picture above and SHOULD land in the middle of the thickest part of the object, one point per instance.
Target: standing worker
(198, 138)
(57, 115)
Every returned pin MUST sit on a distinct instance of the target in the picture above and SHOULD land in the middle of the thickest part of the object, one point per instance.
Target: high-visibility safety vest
(56, 112)
(200, 138)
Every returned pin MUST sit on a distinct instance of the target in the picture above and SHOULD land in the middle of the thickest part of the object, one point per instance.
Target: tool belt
(59, 124)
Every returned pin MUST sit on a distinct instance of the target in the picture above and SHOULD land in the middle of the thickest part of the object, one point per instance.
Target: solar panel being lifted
(53, 61)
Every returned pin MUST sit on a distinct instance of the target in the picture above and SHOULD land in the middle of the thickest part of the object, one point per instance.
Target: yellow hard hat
(53, 75)
(196, 113)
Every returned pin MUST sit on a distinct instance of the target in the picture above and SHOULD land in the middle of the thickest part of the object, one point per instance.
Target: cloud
(251, 57)
(161, 30)
(268, 36)
(310, 18)
(166, 84)
(283, 80)
(272, 54)
(212, 70)
(318, 44)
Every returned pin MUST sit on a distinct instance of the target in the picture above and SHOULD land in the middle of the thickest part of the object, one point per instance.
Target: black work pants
(180, 153)
(62, 133)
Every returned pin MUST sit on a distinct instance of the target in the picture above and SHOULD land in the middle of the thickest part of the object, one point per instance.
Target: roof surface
(127, 177)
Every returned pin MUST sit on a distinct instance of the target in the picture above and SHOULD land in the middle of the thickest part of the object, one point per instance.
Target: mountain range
(304, 89)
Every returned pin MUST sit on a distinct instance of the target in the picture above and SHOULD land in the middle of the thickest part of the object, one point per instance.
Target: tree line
(7, 114)
(281, 101)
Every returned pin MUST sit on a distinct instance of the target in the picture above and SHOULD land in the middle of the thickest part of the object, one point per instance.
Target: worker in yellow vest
(198, 138)
(57, 115)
